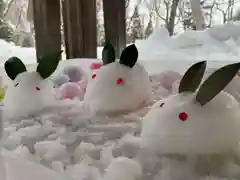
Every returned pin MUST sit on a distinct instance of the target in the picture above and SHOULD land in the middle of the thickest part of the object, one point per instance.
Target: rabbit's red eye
(37, 88)
(94, 76)
(183, 116)
(162, 104)
(16, 84)
(120, 81)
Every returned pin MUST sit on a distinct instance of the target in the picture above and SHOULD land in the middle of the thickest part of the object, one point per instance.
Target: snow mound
(219, 43)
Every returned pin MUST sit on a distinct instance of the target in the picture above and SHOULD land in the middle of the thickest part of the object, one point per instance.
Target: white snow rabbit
(201, 125)
(118, 86)
(190, 122)
(29, 91)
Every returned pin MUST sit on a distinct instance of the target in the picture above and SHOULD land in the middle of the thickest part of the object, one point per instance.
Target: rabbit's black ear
(108, 54)
(216, 83)
(129, 56)
(48, 64)
(193, 77)
(14, 66)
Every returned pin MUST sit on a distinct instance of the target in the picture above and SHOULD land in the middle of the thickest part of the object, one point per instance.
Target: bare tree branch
(7, 8)
(172, 17)
(157, 11)
(167, 9)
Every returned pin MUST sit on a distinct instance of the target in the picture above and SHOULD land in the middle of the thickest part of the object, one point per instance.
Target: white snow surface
(69, 142)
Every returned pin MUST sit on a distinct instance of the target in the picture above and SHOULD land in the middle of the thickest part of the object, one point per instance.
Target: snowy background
(76, 143)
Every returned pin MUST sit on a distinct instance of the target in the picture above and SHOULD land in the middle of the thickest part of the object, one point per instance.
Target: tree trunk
(30, 11)
(47, 25)
(171, 23)
(197, 14)
(80, 30)
(115, 24)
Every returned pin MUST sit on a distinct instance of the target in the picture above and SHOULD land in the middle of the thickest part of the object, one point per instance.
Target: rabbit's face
(29, 84)
(118, 85)
(115, 87)
(178, 125)
(29, 91)
(203, 122)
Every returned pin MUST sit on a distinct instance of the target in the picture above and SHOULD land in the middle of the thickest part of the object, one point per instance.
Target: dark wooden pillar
(80, 31)
(47, 24)
(114, 23)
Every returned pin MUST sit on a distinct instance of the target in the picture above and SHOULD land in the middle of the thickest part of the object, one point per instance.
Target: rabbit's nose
(120, 81)
(37, 89)
(183, 116)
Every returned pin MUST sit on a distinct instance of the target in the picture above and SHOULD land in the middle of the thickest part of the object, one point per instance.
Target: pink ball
(70, 91)
(167, 78)
(96, 65)
(175, 86)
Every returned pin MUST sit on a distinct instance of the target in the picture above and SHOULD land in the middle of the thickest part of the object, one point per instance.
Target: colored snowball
(60, 80)
(74, 73)
(70, 91)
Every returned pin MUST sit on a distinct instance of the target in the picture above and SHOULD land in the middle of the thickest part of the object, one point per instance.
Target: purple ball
(167, 78)
(74, 73)
(60, 80)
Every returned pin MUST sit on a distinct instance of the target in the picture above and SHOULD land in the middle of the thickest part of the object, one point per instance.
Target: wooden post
(80, 31)
(47, 24)
(115, 24)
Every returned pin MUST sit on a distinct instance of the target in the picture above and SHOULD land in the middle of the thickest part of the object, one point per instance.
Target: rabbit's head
(203, 121)
(29, 91)
(118, 85)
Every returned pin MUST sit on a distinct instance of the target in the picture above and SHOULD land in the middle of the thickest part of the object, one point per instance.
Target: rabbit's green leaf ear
(108, 54)
(129, 56)
(14, 66)
(192, 78)
(216, 83)
(48, 64)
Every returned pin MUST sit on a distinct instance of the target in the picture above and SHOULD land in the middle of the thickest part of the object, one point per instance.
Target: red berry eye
(120, 81)
(16, 84)
(183, 116)
(94, 76)
(37, 88)
(162, 104)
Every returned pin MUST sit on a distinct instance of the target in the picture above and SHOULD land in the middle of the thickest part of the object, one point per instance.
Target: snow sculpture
(199, 128)
(29, 91)
(202, 122)
(118, 86)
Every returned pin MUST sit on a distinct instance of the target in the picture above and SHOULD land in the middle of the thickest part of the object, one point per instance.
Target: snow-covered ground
(79, 144)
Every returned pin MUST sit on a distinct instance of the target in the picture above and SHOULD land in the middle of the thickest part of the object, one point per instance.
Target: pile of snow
(219, 43)
(28, 55)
